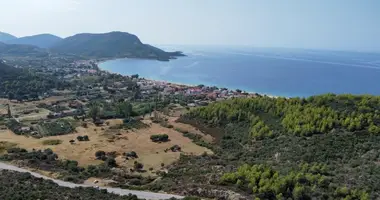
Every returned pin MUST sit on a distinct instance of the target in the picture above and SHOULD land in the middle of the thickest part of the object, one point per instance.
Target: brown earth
(102, 138)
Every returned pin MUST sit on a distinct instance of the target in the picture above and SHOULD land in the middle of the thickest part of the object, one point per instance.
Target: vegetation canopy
(323, 147)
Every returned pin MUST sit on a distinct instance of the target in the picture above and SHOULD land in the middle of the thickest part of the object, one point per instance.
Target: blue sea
(272, 71)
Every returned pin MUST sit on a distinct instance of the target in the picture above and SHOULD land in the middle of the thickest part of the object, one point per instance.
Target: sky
(315, 24)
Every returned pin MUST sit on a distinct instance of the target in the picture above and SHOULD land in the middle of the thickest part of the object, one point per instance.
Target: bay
(272, 71)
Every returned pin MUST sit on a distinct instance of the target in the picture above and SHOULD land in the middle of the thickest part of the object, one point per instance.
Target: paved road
(140, 194)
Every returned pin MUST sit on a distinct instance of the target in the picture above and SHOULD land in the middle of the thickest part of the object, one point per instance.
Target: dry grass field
(102, 138)
(17, 108)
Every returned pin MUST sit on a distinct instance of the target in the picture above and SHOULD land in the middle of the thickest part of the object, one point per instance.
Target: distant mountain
(6, 36)
(111, 45)
(20, 50)
(41, 40)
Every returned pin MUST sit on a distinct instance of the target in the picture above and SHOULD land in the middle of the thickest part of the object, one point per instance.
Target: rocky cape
(102, 46)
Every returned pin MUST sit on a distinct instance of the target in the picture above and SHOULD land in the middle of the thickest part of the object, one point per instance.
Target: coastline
(101, 61)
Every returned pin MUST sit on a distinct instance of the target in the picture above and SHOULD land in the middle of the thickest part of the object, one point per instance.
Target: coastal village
(134, 123)
(147, 87)
(201, 94)
(61, 111)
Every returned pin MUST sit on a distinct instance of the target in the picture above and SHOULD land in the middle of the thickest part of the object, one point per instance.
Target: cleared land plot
(150, 154)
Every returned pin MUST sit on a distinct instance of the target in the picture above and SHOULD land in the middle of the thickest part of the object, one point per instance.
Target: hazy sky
(325, 24)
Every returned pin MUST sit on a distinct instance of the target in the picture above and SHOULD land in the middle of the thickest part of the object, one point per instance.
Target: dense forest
(302, 117)
(321, 147)
(23, 84)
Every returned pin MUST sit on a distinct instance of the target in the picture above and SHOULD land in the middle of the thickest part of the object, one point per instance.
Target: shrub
(80, 138)
(52, 142)
(83, 138)
(138, 166)
(16, 150)
(175, 148)
(100, 154)
(111, 162)
(131, 154)
(159, 138)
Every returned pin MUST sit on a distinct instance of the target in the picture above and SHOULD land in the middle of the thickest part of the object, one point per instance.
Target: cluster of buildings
(206, 92)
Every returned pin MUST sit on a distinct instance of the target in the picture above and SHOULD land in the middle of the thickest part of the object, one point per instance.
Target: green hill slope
(6, 36)
(21, 84)
(20, 50)
(322, 147)
(41, 40)
(110, 45)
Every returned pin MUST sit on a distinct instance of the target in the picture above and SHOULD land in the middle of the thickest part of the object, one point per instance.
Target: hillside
(41, 40)
(18, 83)
(111, 45)
(20, 50)
(322, 147)
(6, 36)
(5, 69)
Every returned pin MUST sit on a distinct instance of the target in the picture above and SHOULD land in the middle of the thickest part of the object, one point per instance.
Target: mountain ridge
(6, 36)
(44, 40)
(114, 44)
(110, 45)
(20, 50)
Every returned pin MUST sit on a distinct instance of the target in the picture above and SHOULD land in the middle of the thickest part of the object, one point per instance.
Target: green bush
(52, 142)
(159, 138)
(138, 166)
(83, 138)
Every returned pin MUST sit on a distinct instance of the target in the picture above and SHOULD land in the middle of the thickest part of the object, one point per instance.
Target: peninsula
(86, 45)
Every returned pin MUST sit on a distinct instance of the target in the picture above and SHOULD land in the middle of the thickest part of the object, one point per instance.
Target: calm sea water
(281, 72)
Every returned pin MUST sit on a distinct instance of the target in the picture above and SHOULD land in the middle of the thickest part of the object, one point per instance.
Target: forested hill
(41, 40)
(6, 37)
(322, 147)
(22, 84)
(21, 50)
(111, 45)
